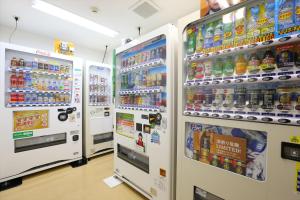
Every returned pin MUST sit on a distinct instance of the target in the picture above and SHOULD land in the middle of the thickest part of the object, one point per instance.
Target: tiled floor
(67, 183)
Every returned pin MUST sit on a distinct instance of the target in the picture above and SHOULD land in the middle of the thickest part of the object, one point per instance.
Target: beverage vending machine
(41, 98)
(239, 103)
(145, 113)
(98, 120)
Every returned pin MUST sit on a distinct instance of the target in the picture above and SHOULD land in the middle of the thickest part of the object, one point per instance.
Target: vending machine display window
(143, 76)
(238, 70)
(36, 80)
(99, 86)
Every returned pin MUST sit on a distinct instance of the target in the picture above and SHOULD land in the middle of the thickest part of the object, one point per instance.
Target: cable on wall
(104, 54)
(139, 30)
(15, 29)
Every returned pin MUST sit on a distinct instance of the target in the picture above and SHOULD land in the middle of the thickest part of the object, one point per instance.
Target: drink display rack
(99, 90)
(219, 96)
(37, 81)
(143, 78)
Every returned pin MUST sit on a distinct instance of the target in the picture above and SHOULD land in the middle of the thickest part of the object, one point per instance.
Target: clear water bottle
(28, 81)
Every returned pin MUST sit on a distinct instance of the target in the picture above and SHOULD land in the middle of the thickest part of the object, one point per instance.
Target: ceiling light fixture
(70, 17)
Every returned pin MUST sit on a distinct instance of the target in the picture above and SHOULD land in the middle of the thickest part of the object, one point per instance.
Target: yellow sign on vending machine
(66, 48)
(30, 120)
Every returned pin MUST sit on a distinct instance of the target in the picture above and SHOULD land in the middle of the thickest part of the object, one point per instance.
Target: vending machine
(40, 104)
(98, 112)
(239, 103)
(145, 113)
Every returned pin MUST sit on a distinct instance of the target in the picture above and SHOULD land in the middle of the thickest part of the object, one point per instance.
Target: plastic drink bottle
(28, 81)
(13, 80)
(21, 81)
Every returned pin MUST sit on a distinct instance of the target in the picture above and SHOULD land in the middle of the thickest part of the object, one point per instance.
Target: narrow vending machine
(40, 110)
(145, 113)
(239, 103)
(98, 115)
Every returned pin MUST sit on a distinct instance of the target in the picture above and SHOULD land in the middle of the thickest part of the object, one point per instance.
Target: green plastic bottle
(218, 67)
(191, 40)
(229, 66)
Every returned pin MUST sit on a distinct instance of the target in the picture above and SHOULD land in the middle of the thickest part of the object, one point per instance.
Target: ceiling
(114, 14)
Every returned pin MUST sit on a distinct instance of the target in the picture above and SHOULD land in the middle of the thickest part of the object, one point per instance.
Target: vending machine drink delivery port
(239, 108)
(145, 113)
(40, 104)
(98, 112)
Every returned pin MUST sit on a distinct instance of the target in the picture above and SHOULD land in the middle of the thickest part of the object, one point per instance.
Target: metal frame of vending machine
(234, 144)
(144, 128)
(98, 110)
(40, 110)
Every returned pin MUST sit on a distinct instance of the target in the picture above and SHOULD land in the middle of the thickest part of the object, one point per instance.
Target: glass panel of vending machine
(99, 86)
(231, 75)
(143, 77)
(37, 80)
(240, 99)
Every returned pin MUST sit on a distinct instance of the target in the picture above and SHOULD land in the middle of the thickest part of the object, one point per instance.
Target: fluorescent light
(70, 17)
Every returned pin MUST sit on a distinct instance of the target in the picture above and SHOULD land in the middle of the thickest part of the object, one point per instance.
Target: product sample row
(246, 25)
(267, 97)
(39, 65)
(282, 58)
(39, 98)
(144, 100)
(144, 56)
(144, 78)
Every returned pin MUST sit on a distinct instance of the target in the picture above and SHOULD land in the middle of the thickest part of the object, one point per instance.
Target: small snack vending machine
(41, 98)
(145, 113)
(239, 103)
(98, 112)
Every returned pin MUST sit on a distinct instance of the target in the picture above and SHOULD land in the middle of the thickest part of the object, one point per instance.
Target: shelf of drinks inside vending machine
(141, 108)
(37, 91)
(240, 49)
(265, 117)
(98, 104)
(152, 63)
(36, 105)
(99, 93)
(148, 90)
(27, 71)
(247, 78)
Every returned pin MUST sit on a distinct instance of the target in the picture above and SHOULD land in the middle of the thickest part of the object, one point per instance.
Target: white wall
(32, 40)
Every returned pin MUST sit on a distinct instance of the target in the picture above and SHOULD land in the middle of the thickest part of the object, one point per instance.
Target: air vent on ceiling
(144, 8)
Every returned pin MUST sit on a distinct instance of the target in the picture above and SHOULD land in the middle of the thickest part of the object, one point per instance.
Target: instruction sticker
(24, 134)
(155, 137)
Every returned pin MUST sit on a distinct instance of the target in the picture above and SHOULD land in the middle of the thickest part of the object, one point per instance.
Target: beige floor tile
(67, 183)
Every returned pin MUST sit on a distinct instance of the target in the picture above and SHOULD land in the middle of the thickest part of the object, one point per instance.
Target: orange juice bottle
(240, 65)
